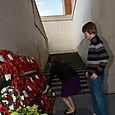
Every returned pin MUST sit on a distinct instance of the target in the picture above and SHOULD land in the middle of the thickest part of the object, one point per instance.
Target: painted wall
(18, 32)
(102, 13)
(90, 12)
(60, 36)
(59, 33)
(64, 32)
(107, 22)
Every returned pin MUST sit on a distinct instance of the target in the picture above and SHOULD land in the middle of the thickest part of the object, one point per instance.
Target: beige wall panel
(107, 9)
(108, 27)
(64, 35)
(60, 37)
(110, 68)
(18, 32)
(111, 82)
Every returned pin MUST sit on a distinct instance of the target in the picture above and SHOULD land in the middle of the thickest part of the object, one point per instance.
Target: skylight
(49, 7)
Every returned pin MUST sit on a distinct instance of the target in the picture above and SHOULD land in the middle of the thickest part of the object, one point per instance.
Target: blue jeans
(97, 93)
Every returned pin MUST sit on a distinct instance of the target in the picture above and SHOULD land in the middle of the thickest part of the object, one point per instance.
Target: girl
(70, 82)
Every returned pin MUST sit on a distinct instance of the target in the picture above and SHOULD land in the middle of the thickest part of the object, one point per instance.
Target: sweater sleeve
(104, 57)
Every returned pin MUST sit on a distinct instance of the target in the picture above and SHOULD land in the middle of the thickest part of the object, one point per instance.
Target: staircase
(74, 60)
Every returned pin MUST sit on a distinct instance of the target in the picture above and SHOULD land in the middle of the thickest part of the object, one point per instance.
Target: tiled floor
(83, 105)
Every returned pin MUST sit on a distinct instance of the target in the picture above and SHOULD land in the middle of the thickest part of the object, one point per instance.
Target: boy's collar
(93, 37)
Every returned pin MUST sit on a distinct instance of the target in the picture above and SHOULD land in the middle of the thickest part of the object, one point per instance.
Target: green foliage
(27, 111)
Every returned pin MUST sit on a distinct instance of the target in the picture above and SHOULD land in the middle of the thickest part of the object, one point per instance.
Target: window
(50, 7)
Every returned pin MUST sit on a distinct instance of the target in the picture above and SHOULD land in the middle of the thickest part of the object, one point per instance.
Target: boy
(97, 59)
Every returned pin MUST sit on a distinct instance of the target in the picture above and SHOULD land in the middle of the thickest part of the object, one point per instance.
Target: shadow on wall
(27, 47)
(83, 49)
(111, 58)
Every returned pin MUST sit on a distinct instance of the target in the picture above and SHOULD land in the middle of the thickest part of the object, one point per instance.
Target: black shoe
(74, 111)
(93, 114)
(65, 111)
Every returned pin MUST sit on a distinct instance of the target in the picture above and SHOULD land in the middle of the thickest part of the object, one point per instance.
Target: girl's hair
(53, 60)
(89, 27)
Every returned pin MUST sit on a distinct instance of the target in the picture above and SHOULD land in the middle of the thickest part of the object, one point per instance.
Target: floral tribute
(28, 111)
(11, 98)
(24, 85)
(3, 110)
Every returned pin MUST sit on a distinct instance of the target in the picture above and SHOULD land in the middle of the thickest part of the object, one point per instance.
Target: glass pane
(49, 7)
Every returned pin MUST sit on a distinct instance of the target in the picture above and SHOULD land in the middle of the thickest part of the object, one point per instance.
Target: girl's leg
(68, 104)
(71, 102)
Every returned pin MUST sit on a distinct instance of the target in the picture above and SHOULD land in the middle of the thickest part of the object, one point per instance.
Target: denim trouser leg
(97, 93)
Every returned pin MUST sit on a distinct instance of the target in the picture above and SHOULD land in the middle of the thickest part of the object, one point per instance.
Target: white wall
(81, 16)
(60, 36)
(95, 13)
(90, 12)
(64, 34)
(107, 22)
(102, 13)
(18, 32)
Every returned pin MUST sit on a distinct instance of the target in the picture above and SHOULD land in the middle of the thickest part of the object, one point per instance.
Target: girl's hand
(45, 91)
(86, 74)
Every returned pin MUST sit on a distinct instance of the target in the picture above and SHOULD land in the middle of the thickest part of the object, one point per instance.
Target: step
(84, 91)
(78, 68)
(83, 78)
(83, 81)
(81, 74)
(80, 71)
(56, 88)
(58, 93)
(56, 80)
(85, 84)
(56, 83)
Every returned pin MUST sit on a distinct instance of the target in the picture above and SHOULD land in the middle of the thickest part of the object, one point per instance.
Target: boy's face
(87, 35)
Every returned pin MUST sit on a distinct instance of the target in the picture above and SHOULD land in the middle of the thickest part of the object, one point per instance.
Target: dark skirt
(72, 87)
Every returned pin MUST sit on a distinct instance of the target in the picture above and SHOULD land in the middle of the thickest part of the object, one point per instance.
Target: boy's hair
(89, 27)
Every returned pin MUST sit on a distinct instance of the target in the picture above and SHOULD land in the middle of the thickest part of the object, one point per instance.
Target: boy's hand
(94, 76)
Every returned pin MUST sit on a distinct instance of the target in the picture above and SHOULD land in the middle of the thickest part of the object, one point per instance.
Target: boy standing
(97, 59)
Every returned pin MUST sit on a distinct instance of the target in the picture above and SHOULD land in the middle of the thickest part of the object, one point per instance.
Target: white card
(7, 77)
(1, 58)
(25, 93)
(29, 88)
(11, 58)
